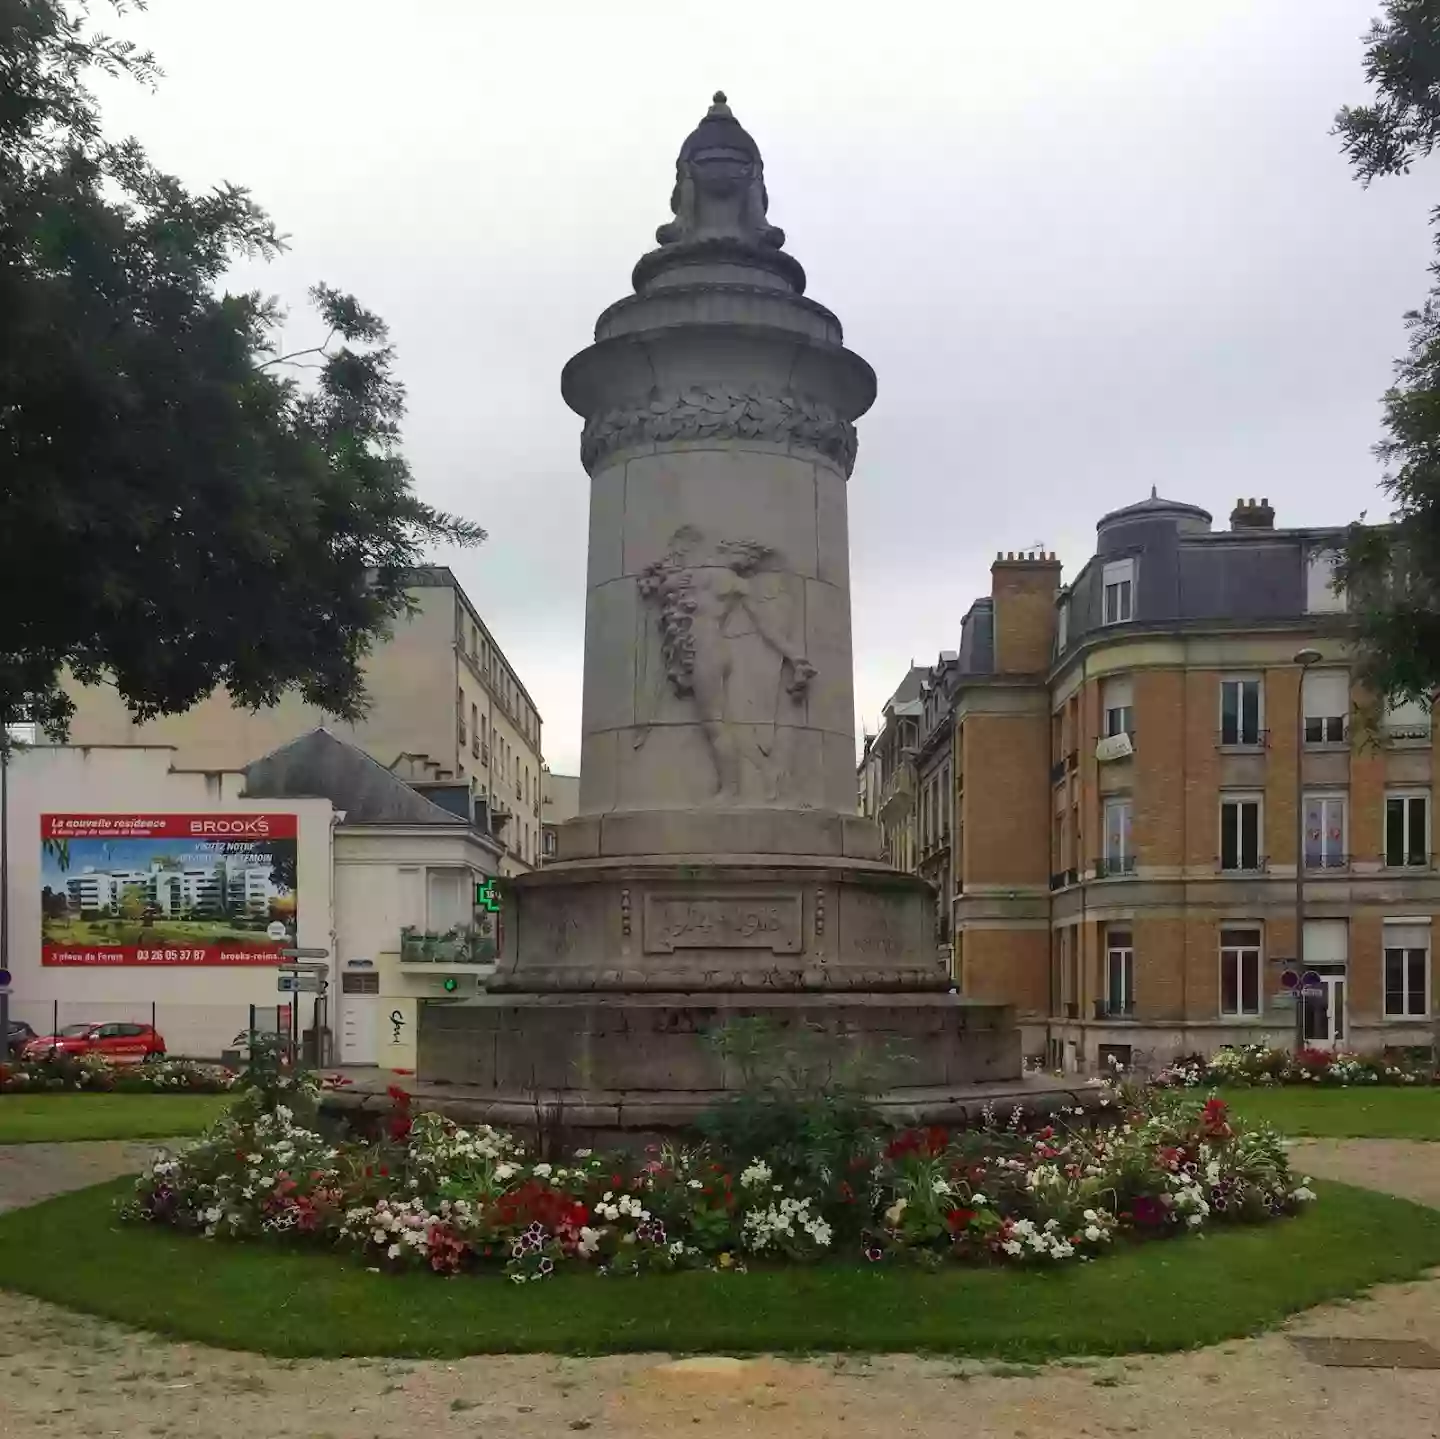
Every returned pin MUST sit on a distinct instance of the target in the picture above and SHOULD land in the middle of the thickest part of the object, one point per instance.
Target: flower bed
(1258, 1064)
(93, 1074)
(428, 1194)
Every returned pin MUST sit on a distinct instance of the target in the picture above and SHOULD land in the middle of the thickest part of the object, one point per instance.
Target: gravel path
(61, 1375)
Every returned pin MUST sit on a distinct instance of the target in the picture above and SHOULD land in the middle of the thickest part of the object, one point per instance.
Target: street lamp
(1304, 658)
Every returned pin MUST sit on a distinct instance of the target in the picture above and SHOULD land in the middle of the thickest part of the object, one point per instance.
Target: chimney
(1247, 515)
(1023, 585)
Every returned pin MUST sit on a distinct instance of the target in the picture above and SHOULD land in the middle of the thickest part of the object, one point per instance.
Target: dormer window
(1119, 592)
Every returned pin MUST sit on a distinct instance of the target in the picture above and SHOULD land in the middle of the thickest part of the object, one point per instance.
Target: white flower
(1090, 1216)
(941, 1186)
(393, 1251)
(504, 1172)
(1303, 1194)
(583, 1153)
(379, 1236)
(895, 1211)
(1092, 1234)
(978, 1199)
(541, 1171)
(696, 1184)
(755, 1174)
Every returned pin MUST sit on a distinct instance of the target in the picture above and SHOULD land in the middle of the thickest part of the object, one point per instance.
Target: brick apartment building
(1103, 782)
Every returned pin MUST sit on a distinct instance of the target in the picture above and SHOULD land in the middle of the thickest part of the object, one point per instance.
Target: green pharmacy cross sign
(486, 897)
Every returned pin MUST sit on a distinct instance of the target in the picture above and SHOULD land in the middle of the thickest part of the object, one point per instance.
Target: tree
(182, 505)
(1393, 572)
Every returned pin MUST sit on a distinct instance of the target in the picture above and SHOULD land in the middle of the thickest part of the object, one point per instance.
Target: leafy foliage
(1393, 574)
(804, 1101)
(184, 507)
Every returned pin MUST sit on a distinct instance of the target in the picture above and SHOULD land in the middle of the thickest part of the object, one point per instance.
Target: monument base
(649, 1050)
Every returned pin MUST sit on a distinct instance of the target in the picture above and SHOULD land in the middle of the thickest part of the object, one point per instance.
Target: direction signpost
(304, 970)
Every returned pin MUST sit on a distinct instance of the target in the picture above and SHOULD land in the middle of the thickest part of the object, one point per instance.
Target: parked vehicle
(123, 1043)
(20, 1035)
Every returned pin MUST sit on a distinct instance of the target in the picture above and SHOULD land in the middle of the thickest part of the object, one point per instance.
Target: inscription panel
(760, 921)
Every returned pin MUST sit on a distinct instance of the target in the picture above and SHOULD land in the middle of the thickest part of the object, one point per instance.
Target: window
(1407, 966)
(1119, 583)
(1410, 719)
(549, 841)
(1326, 696)
(1320, 596)
(1239, 972)
(475, 729)
(1119, 856)
(1119, 972)
(1240, 832)
(946, 801)
(1407, 830)
(1062, 627)
(1240, 711)
(1325, 831)
(1117, 699)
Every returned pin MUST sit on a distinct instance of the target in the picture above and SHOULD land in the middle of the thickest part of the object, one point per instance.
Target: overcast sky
(1088, 248)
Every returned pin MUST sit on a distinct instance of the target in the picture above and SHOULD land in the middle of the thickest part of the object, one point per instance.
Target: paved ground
(32, 1172)
(65, 1376)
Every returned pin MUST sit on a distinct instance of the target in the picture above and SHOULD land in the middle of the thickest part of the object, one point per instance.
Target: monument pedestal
(716, 867)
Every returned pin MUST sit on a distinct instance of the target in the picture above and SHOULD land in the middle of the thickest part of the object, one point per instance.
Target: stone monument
(717, 866)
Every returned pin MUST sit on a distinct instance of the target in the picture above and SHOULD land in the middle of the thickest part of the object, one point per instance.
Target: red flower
(400, 1096)
(937, 1137)
(384, 1173)
(958, 1218)
(1148, 1213)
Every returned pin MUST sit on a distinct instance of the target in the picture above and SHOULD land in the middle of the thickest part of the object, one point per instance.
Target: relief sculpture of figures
(703, 600)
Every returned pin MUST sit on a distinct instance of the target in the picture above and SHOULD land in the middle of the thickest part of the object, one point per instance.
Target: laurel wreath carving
(721, 414)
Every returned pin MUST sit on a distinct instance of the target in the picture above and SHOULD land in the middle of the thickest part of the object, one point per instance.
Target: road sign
(4, 979)
(303, 966)
(1312, 991)
(1311, 980)
(300, 984)
(486, 898)
(1290, 980)
(308, 953)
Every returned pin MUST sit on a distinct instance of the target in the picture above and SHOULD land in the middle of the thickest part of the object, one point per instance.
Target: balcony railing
(1104, 1009)
(1243, 738)
(463, 944)
(1260, 866)
(1320, 862)
(1115, 866)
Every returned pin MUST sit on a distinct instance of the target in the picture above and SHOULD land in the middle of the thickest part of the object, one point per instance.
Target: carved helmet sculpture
(719, 203)
(720, 185)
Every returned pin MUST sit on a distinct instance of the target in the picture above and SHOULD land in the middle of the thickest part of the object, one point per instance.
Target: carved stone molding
(721, 414)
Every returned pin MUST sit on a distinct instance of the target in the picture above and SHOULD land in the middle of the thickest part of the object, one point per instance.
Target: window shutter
(1327, 692)
(1407, 936)
(1117, 692)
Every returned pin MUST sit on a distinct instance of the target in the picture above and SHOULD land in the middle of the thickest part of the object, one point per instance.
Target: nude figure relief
(716, 643)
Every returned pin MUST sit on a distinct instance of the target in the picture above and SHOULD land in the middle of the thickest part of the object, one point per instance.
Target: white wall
(198, 1008)
(383, 882)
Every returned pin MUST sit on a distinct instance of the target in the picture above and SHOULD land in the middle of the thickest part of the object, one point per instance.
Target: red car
(123, 1043)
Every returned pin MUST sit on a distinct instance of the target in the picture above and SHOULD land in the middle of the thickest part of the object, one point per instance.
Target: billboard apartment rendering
(1112, 782)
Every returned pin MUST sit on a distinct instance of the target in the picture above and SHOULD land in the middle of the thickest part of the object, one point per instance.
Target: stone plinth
(717, 865)
(587, 1049)
(720, 923)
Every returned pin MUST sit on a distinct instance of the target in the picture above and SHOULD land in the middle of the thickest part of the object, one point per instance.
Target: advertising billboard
(166, 889)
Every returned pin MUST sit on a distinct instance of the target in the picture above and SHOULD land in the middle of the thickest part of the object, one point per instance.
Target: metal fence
(190, 1031)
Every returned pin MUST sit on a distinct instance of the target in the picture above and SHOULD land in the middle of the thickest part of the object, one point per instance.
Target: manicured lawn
(1326, 1113)
(293, 1302)
(31, 1118)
